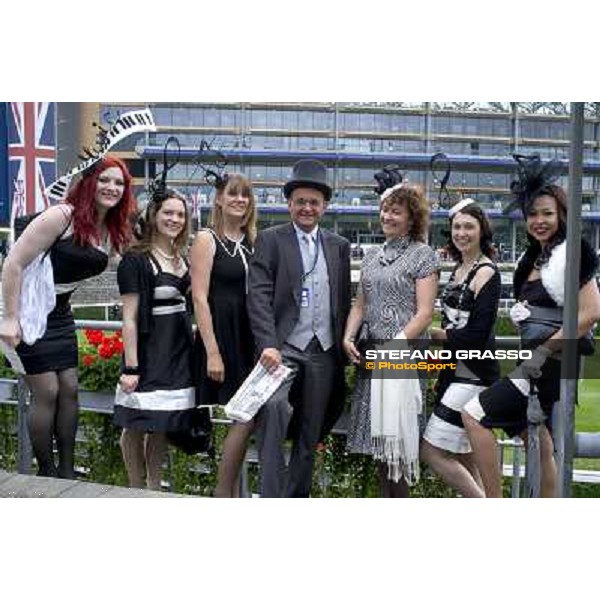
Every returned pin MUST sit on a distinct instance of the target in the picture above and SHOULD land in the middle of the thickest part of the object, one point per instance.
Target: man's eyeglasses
(305, 202)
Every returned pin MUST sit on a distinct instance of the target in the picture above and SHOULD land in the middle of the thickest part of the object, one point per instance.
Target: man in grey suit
(298, 302)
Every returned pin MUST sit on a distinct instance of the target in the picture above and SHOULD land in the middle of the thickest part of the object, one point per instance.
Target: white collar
(300, 233)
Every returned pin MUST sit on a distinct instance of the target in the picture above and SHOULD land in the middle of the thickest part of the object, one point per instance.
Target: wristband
(131, 370)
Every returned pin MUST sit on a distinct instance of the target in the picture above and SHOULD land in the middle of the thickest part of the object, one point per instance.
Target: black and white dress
(469, 324)
(164, 399)
(72, 264)
(388, 282)
(504, 405)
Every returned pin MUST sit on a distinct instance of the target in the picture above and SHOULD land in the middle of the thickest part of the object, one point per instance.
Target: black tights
(53, 414)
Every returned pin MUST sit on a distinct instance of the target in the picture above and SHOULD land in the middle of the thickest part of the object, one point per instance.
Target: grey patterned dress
(388, 283)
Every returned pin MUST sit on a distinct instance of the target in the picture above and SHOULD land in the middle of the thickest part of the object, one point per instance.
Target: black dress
(164, 399)
(57, 349)
(227, 302)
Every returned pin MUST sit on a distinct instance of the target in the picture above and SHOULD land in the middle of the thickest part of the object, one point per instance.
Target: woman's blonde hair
(234, 184)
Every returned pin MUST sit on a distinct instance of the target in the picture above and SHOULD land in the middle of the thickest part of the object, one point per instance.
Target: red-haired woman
(79, 235)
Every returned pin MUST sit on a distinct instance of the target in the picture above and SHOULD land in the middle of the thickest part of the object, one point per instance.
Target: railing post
(24, 443)
(516, 466)
(563, 423)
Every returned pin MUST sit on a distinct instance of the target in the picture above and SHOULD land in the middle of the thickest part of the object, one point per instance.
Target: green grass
(587, 414)
(587, 419)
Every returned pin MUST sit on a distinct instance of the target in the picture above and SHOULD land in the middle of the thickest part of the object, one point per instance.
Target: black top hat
(311, 174)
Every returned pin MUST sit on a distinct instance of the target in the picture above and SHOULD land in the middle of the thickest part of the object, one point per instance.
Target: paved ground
(13, 485)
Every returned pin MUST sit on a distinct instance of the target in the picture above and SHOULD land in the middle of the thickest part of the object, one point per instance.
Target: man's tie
(310, 246)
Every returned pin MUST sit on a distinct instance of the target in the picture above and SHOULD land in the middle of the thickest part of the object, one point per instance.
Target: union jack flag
(31, 155)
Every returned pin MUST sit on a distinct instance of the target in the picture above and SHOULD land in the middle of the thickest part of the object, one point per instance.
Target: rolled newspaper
(256, 390)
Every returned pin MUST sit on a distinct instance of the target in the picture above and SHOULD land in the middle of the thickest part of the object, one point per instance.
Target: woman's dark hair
(486, 242)
(560, 196)
(413, 197)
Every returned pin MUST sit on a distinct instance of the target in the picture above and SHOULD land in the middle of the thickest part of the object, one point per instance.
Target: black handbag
(198, 439)
(544, 322)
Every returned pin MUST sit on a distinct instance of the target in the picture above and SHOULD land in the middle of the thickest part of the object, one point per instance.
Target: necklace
(166, 256)
(235, 241)
(463, 285)
(392, 250)
(466, 268)
(238, 246)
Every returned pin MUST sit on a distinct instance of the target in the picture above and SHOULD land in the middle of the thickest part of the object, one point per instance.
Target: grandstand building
(263, 140)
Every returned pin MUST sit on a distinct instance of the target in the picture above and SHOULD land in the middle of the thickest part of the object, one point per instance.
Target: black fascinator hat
(158, 191)
(441, 170)
(533, 176)
(389, 177)
(215, 175)
(216, 179)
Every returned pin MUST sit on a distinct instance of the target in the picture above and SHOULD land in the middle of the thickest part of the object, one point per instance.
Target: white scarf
(552, 273)
(395, 408)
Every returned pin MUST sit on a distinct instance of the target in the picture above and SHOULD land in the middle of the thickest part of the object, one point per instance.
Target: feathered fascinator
(388, 180)
(533, 175)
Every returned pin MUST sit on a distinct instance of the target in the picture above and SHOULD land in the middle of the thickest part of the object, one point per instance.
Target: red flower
(117, 346)
(94, 336)
(89, 360)
(321, 447)
(105, 350)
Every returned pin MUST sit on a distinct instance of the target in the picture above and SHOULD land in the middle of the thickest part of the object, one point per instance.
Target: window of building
(258, 119)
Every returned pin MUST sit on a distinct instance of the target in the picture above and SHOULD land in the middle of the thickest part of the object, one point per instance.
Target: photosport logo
(393, 362)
